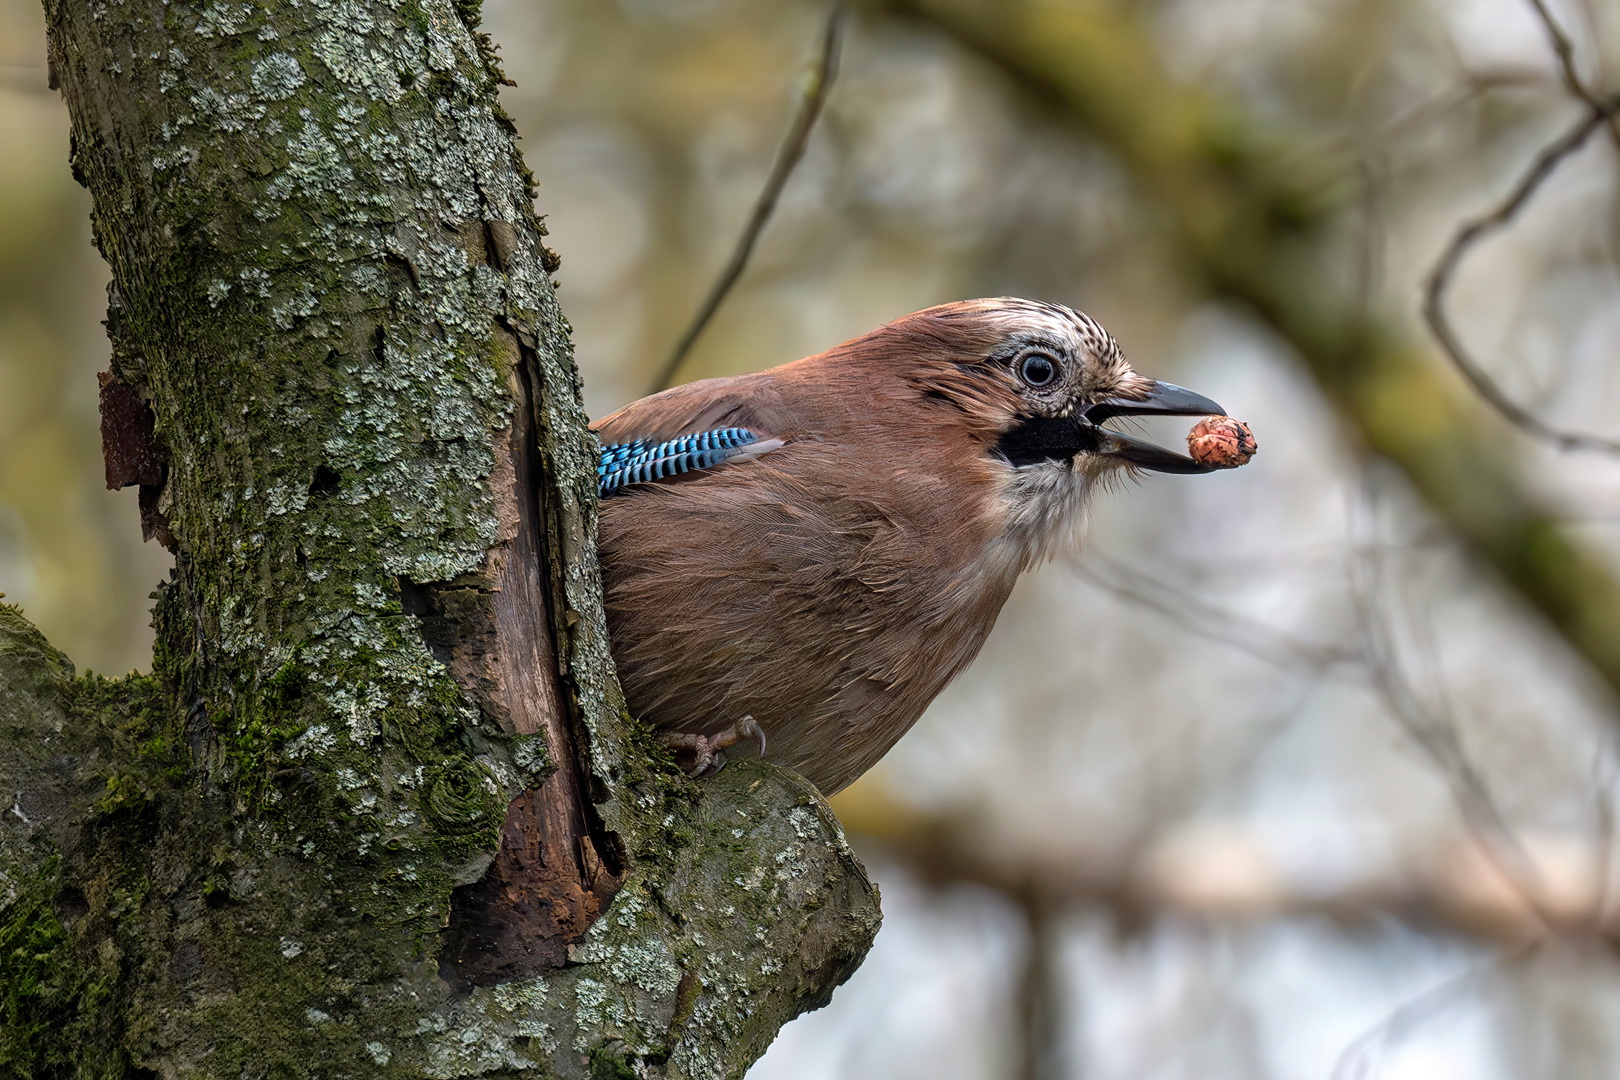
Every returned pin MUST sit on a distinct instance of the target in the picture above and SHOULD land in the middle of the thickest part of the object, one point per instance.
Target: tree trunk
(378, 810)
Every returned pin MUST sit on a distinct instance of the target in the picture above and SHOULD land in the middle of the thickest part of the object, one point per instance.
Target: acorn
(1221, 442)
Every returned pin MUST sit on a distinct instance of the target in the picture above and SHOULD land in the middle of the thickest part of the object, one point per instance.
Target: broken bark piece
(1221, 442)
(127, 439)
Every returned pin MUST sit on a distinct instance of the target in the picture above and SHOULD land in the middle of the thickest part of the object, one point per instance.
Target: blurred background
(1302, 771)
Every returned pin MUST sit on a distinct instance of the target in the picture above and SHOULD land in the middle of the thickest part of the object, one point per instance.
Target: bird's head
(1043, 380)
(1036, 383)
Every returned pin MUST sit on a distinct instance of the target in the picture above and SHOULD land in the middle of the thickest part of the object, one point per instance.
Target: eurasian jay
(806, 556)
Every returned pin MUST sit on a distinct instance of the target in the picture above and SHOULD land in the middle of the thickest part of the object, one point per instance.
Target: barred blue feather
(643, 460)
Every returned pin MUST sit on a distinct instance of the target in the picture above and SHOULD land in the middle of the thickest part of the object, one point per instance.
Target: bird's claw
(746, 728)
(707, 750)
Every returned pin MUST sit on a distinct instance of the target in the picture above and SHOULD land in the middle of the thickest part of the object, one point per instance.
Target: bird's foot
(707, 750)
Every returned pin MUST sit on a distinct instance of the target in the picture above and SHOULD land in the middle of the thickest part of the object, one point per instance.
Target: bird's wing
(693, 427)
(642, 461)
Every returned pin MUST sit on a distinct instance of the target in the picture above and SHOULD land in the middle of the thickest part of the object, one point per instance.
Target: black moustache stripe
(1034, 439)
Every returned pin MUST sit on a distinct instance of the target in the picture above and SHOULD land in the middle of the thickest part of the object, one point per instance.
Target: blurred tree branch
(1433, 730)
(1254, 237)
(1571, 75)
(1599, 113)
(1464, 240)
(1229, 872)
(788, 157)
(1360, 1059)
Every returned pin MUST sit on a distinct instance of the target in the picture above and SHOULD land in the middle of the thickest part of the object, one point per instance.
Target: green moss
(50, 996)
(24, 651)
(608, 1063)
(37, 991)
(137, 718)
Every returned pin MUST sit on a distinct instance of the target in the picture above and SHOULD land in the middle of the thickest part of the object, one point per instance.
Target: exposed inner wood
(132, 454)
(128, 445)
(549, 881)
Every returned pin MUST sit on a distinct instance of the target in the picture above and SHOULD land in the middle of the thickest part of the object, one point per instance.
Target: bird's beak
(1161, 399)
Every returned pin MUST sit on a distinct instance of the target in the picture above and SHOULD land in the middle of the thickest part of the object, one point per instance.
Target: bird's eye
(1037, 369)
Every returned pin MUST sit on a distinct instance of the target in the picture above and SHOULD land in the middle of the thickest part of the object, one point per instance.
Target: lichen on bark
(381, 664)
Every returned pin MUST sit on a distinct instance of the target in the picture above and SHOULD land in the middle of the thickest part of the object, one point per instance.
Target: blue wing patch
(645, 460)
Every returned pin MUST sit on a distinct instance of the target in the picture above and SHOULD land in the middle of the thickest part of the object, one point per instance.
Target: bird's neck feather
(1043, 514)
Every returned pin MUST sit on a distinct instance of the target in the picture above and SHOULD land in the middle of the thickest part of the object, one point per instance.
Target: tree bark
(378, 810)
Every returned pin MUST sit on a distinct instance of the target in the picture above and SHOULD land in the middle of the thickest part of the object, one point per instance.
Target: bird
(802, 558)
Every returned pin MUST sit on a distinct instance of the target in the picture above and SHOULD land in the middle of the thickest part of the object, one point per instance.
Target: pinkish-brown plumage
(836, 579)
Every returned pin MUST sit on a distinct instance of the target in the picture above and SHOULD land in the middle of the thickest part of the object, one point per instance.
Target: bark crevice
(557, 868)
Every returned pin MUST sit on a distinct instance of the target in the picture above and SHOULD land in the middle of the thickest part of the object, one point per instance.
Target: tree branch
(1599, 114)
(1466, 237)
(1564, 49)
(1228, 872)
(36, 751)
(787, 159)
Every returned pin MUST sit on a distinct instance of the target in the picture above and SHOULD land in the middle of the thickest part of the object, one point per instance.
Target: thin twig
(1500, 845)
(1356, 1062)
(1463, 241)
(1265, 643)
(787, 158)
(1434, 732)
(1600, 113)
(1472, 86)
(1565, 50)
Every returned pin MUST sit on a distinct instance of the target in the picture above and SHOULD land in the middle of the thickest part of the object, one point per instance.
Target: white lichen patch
(529, 753)
(357, 708)
(314, 741)
(643, 962)
(316, 169)
(598, 1008)
(278, 76)
(290, 497)
(224, 20)
(255, 280)
(472, 1052)
(232, 113)
(300, 305)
